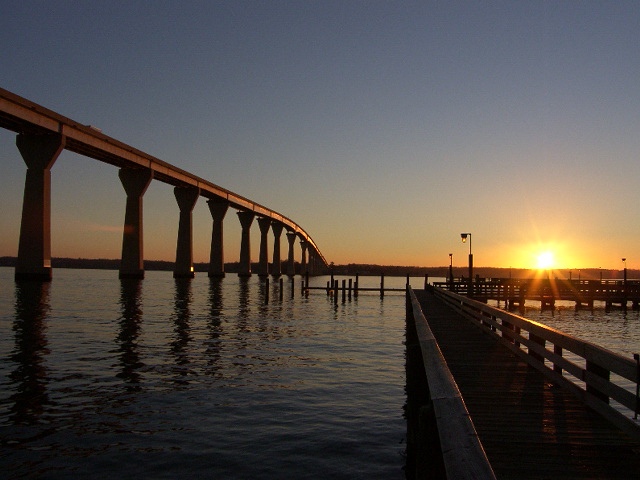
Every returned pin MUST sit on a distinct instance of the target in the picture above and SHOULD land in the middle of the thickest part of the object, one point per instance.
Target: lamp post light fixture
(464, 236)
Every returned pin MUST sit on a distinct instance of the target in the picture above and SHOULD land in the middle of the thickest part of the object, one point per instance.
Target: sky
(384, 129)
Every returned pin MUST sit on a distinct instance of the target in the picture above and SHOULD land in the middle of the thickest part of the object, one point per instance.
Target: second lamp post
(464, 240)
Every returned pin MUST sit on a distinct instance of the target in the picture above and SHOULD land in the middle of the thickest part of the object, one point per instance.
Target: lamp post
(624, 285)
(451, 271)
(464, 236)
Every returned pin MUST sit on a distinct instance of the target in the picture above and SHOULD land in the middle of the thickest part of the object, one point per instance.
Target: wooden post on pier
(266, 291)
(350, 287)
(426, 281)
(382, 285)
(595, 369)
(281, 289)
(540, 341)
(355, 287)
(558, 351)
(344, 290)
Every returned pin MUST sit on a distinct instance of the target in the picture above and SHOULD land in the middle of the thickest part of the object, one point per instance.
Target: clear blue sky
(383, 128)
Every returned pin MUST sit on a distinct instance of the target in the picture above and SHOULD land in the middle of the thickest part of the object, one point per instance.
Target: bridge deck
(529, 428)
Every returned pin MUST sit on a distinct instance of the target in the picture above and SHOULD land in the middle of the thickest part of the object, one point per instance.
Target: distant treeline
(352, 269)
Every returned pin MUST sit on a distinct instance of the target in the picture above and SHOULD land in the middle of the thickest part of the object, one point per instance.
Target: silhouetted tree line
(352, 269)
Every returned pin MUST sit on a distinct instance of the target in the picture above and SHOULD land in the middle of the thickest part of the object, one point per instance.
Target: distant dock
(515, 292)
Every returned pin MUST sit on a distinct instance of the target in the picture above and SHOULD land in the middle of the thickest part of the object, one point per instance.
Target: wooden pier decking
(529, 428)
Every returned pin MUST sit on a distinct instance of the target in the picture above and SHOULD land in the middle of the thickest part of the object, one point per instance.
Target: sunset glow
(545, 260)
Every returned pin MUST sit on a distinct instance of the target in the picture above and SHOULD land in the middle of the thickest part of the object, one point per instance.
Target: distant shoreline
(353, 269)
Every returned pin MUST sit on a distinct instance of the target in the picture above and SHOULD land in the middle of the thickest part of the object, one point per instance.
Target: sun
(545, 260)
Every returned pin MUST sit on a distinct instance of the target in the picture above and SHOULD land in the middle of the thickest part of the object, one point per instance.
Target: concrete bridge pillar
(276, 267)
(186, 198)
(303, 259)
(246, 219)
(311, 266)
(263, 267)
(39, 152)
(135, 183)
(218, 208)
(291, 265)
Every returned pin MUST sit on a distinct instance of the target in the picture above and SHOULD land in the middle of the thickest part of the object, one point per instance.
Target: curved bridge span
(43, 134)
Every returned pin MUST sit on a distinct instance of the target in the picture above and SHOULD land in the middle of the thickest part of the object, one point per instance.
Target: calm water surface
(167, 379)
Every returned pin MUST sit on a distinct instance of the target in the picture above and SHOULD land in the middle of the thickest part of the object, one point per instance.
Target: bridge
(493, 395)
(43, 134)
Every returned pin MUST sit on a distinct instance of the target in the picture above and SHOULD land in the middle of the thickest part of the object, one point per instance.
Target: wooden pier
(515, 292)
(536, 414)
(351, 287)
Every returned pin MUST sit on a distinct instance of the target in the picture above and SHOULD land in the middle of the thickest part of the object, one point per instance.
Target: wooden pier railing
(587, 373)
(442, 439)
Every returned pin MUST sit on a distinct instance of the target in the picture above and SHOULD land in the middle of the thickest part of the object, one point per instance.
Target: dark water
(185, 379)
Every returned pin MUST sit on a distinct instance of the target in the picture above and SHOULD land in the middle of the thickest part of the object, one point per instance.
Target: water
(167, 379)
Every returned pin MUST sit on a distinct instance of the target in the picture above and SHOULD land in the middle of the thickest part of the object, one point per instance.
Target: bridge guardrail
(532, 341)
(462, 454)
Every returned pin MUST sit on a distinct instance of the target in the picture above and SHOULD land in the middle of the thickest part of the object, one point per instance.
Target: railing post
(558, 351)
(600, 372)
(540, 341)
(636, 357)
